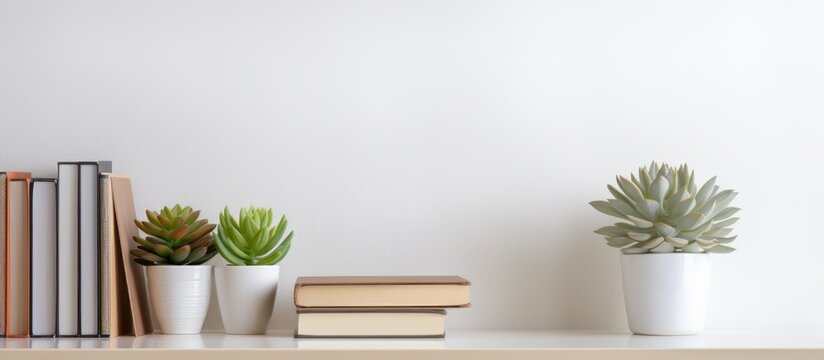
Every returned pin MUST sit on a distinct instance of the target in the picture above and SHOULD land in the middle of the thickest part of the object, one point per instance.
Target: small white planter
(246, 295)
(180, 296)
(666, 294)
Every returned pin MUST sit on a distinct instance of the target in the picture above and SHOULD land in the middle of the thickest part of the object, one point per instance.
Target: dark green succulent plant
(252, 240)
(175, 236)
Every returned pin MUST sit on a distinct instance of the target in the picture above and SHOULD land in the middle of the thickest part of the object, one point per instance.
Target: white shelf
(744, 344)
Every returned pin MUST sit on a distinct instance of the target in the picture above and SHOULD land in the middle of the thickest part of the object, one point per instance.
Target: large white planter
(666, 294)
(246, 295)
(180, 296)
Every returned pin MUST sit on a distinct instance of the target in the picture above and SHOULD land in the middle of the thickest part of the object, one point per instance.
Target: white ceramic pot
(180, 296)
(666, 294)
(246, 295)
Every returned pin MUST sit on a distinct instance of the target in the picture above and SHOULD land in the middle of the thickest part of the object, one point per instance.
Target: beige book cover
(371, 322)
(115, 314)
(381, 291)
(124, 215)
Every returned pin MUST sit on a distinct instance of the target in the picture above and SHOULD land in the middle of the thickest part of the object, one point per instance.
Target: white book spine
(67, 247)
(89, 260)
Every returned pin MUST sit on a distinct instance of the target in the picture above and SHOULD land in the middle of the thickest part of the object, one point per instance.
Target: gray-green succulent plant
(664, 211)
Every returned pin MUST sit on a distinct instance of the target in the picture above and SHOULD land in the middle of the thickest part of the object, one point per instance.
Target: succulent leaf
(720, 249)
(659, 188)
(634, 250)
(606, 208)
(725, 223)
(181, 253)
(619, 241)
(650, 209)
(640, 222)
(639, 236)
(665, 247)
(692, 247)
(280, 251)
(630, 189)
(704, 193)
(149, 228)
(652, 243)
(677, 242)
(665, 230)
(179, 232)
(162, 250)
(725, 240)
(619, 195)
(682, 208)
(611, 231)
(726, 213)
(633, 228)
(624, 208)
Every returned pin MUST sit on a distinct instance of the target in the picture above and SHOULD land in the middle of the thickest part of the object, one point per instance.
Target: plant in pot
(667, 228)
(246, 288)
(176, 245)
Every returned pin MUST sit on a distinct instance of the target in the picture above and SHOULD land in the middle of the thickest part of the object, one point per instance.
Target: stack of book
(377, 306)
(63, 270)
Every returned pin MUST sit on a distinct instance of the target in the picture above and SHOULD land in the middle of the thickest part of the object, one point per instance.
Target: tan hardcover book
(3, 237)
(17, 254)
(124, 215)
(115, 315)
(370, 323)
(381, 291)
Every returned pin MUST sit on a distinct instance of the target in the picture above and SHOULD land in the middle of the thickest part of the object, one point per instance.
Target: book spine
(17, 257)
(4, 233)
(105, 244)
(40, 303)
(67, 241)
(89, 248)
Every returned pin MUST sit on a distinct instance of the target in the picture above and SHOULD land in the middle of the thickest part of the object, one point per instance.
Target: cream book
(364, 322)
(381, 291)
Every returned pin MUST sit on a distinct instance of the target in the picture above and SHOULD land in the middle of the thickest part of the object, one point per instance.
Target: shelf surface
(727, 344)
(482, 339)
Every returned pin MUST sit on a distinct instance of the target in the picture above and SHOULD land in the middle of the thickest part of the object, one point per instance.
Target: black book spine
(31, 257)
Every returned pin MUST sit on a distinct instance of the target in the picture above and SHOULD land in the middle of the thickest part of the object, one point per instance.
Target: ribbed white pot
(666, 294)
(246, 295)
(180, 296)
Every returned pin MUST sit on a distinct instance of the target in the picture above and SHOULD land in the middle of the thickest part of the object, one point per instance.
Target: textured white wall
(444, 137)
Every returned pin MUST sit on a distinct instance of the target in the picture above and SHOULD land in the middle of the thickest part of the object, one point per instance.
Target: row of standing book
(64, 266)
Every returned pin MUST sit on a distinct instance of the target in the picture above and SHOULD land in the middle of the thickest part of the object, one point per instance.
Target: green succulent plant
(252, 239)
(664, 211)
(175, 236)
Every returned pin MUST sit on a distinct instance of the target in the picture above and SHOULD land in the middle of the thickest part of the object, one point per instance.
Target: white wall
(444, 137)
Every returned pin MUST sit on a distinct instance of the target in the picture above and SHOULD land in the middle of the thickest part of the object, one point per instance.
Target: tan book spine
(20, 314)
(4, 234)
(381, 291)
(108, 287)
